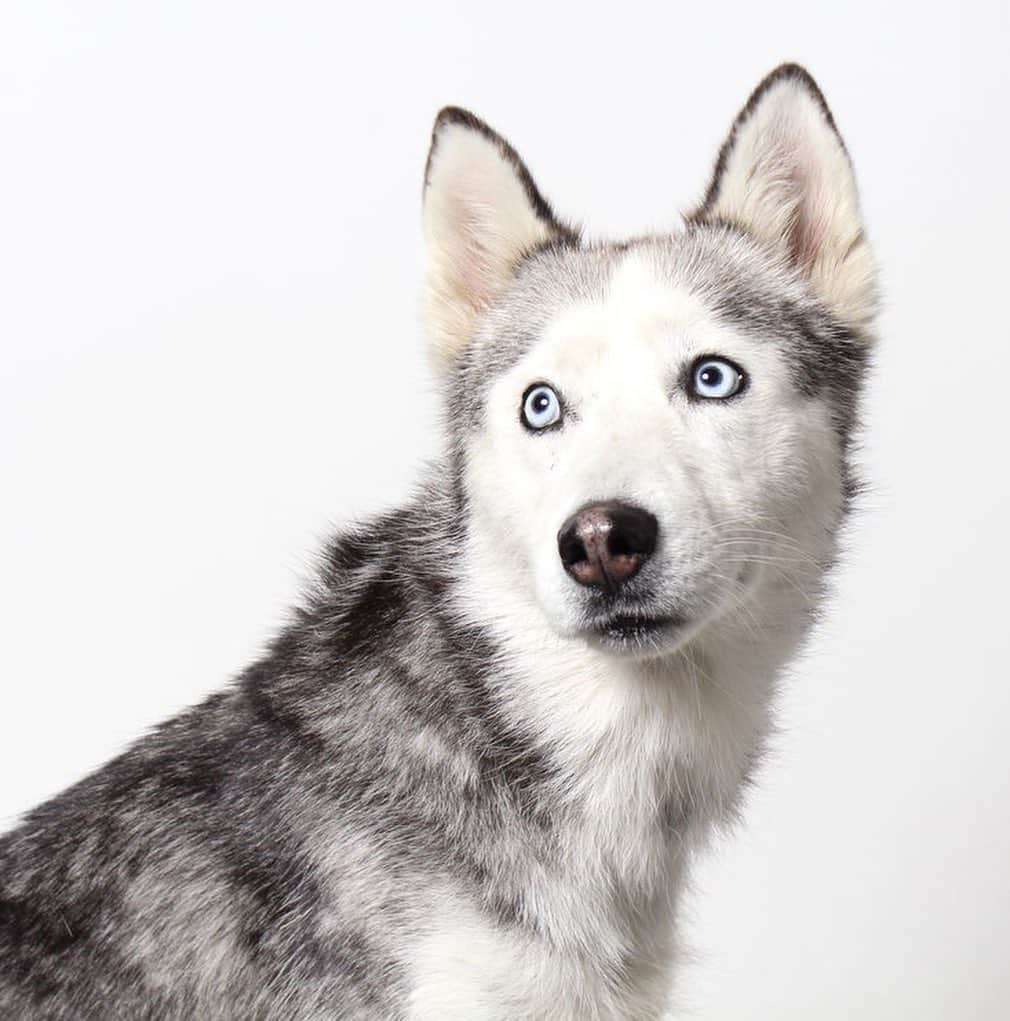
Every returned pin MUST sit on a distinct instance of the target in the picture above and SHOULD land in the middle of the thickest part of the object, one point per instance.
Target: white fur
(628, 731)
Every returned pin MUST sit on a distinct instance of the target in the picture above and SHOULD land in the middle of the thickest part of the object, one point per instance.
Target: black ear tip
(450, 115)
(798, 75)
(795, 72)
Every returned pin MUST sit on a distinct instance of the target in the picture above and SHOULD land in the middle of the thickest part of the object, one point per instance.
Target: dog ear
(482, 214)
(783, 175)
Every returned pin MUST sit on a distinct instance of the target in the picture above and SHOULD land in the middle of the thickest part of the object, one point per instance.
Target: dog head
(646, 433)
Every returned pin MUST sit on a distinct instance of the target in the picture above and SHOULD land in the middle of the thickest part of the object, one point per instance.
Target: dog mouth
(632, 631)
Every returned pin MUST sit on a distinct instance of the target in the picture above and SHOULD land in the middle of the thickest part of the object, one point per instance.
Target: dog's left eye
(715, 379)
(541, 407)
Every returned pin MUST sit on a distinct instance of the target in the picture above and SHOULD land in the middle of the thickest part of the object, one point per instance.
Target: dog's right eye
(541, 407)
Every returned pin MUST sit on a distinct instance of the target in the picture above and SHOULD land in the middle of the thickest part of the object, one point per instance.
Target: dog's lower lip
(630, 626)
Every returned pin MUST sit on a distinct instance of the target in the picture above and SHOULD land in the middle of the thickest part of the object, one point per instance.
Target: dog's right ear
(482, 215)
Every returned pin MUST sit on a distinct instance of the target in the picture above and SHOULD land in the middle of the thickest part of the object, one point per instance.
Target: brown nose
(605, 544)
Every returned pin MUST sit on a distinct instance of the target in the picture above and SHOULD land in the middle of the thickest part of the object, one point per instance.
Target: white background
(209, 273)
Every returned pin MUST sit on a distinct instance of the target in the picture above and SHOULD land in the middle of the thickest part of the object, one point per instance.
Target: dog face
(650, 433)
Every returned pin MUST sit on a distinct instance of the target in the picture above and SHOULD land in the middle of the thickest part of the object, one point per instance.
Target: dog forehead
(626, 299)
(639, 311)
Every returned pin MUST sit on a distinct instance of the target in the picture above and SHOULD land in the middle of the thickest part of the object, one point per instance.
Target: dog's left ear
(482, 215)
(784, 175)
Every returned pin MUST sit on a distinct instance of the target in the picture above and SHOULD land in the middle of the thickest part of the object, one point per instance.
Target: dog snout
(603, 545)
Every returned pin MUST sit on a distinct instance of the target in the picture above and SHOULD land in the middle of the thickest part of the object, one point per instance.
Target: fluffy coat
(455, 788)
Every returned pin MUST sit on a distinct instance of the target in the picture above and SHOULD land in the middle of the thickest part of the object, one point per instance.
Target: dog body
(468, 778)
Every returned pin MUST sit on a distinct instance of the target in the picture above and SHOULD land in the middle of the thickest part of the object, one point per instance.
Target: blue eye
(715, 379)
(541, 407)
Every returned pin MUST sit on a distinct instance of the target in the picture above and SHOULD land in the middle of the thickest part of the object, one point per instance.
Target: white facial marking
(719, 475)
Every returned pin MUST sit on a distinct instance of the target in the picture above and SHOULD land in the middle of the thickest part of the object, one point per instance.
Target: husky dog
(469, 777)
